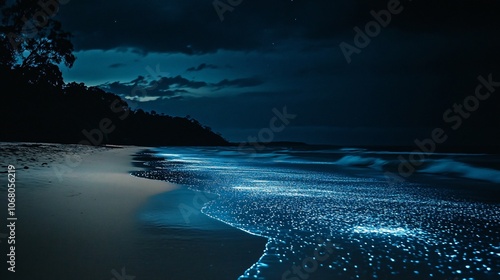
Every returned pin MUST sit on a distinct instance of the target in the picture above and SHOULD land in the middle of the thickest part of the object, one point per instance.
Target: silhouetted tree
(33, 44)
(40, 107)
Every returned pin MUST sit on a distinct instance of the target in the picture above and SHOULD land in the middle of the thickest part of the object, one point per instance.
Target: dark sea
(348, 213)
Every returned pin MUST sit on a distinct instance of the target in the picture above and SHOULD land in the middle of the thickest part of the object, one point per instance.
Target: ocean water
(347, 214)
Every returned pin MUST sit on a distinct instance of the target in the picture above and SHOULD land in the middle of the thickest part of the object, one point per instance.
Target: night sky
(180, 58)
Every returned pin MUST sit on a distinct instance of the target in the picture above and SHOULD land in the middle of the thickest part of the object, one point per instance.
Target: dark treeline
(38, 106)
(77, 114)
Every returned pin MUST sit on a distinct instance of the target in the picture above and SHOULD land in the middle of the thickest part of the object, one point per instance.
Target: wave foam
(447, 166)
(358, 161)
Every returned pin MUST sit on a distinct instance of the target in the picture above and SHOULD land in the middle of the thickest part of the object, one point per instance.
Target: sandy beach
(79, 215)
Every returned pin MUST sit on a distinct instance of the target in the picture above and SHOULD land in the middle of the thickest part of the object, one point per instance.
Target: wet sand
(81, 215)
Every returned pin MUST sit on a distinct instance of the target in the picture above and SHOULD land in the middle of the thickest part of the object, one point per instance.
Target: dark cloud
(194, 26)
(202, 67)
(172, 86)
(117, 65)
(143, 87)
(178, 81)
(287, 52)
(241, 83)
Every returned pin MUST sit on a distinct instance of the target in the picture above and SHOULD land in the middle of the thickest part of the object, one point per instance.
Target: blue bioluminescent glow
(387, 231)
(376, 229)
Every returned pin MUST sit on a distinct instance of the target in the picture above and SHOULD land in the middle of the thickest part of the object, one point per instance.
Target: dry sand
(78, 208)
(74, 206)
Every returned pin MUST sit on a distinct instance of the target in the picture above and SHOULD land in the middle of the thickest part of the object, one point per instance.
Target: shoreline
(222, 251)
(86, 223)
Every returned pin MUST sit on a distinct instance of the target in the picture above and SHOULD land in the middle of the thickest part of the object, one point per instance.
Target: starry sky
(231, 64)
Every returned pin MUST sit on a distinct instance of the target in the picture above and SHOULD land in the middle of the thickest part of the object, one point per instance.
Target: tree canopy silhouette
(40, 107)
(33, 44)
